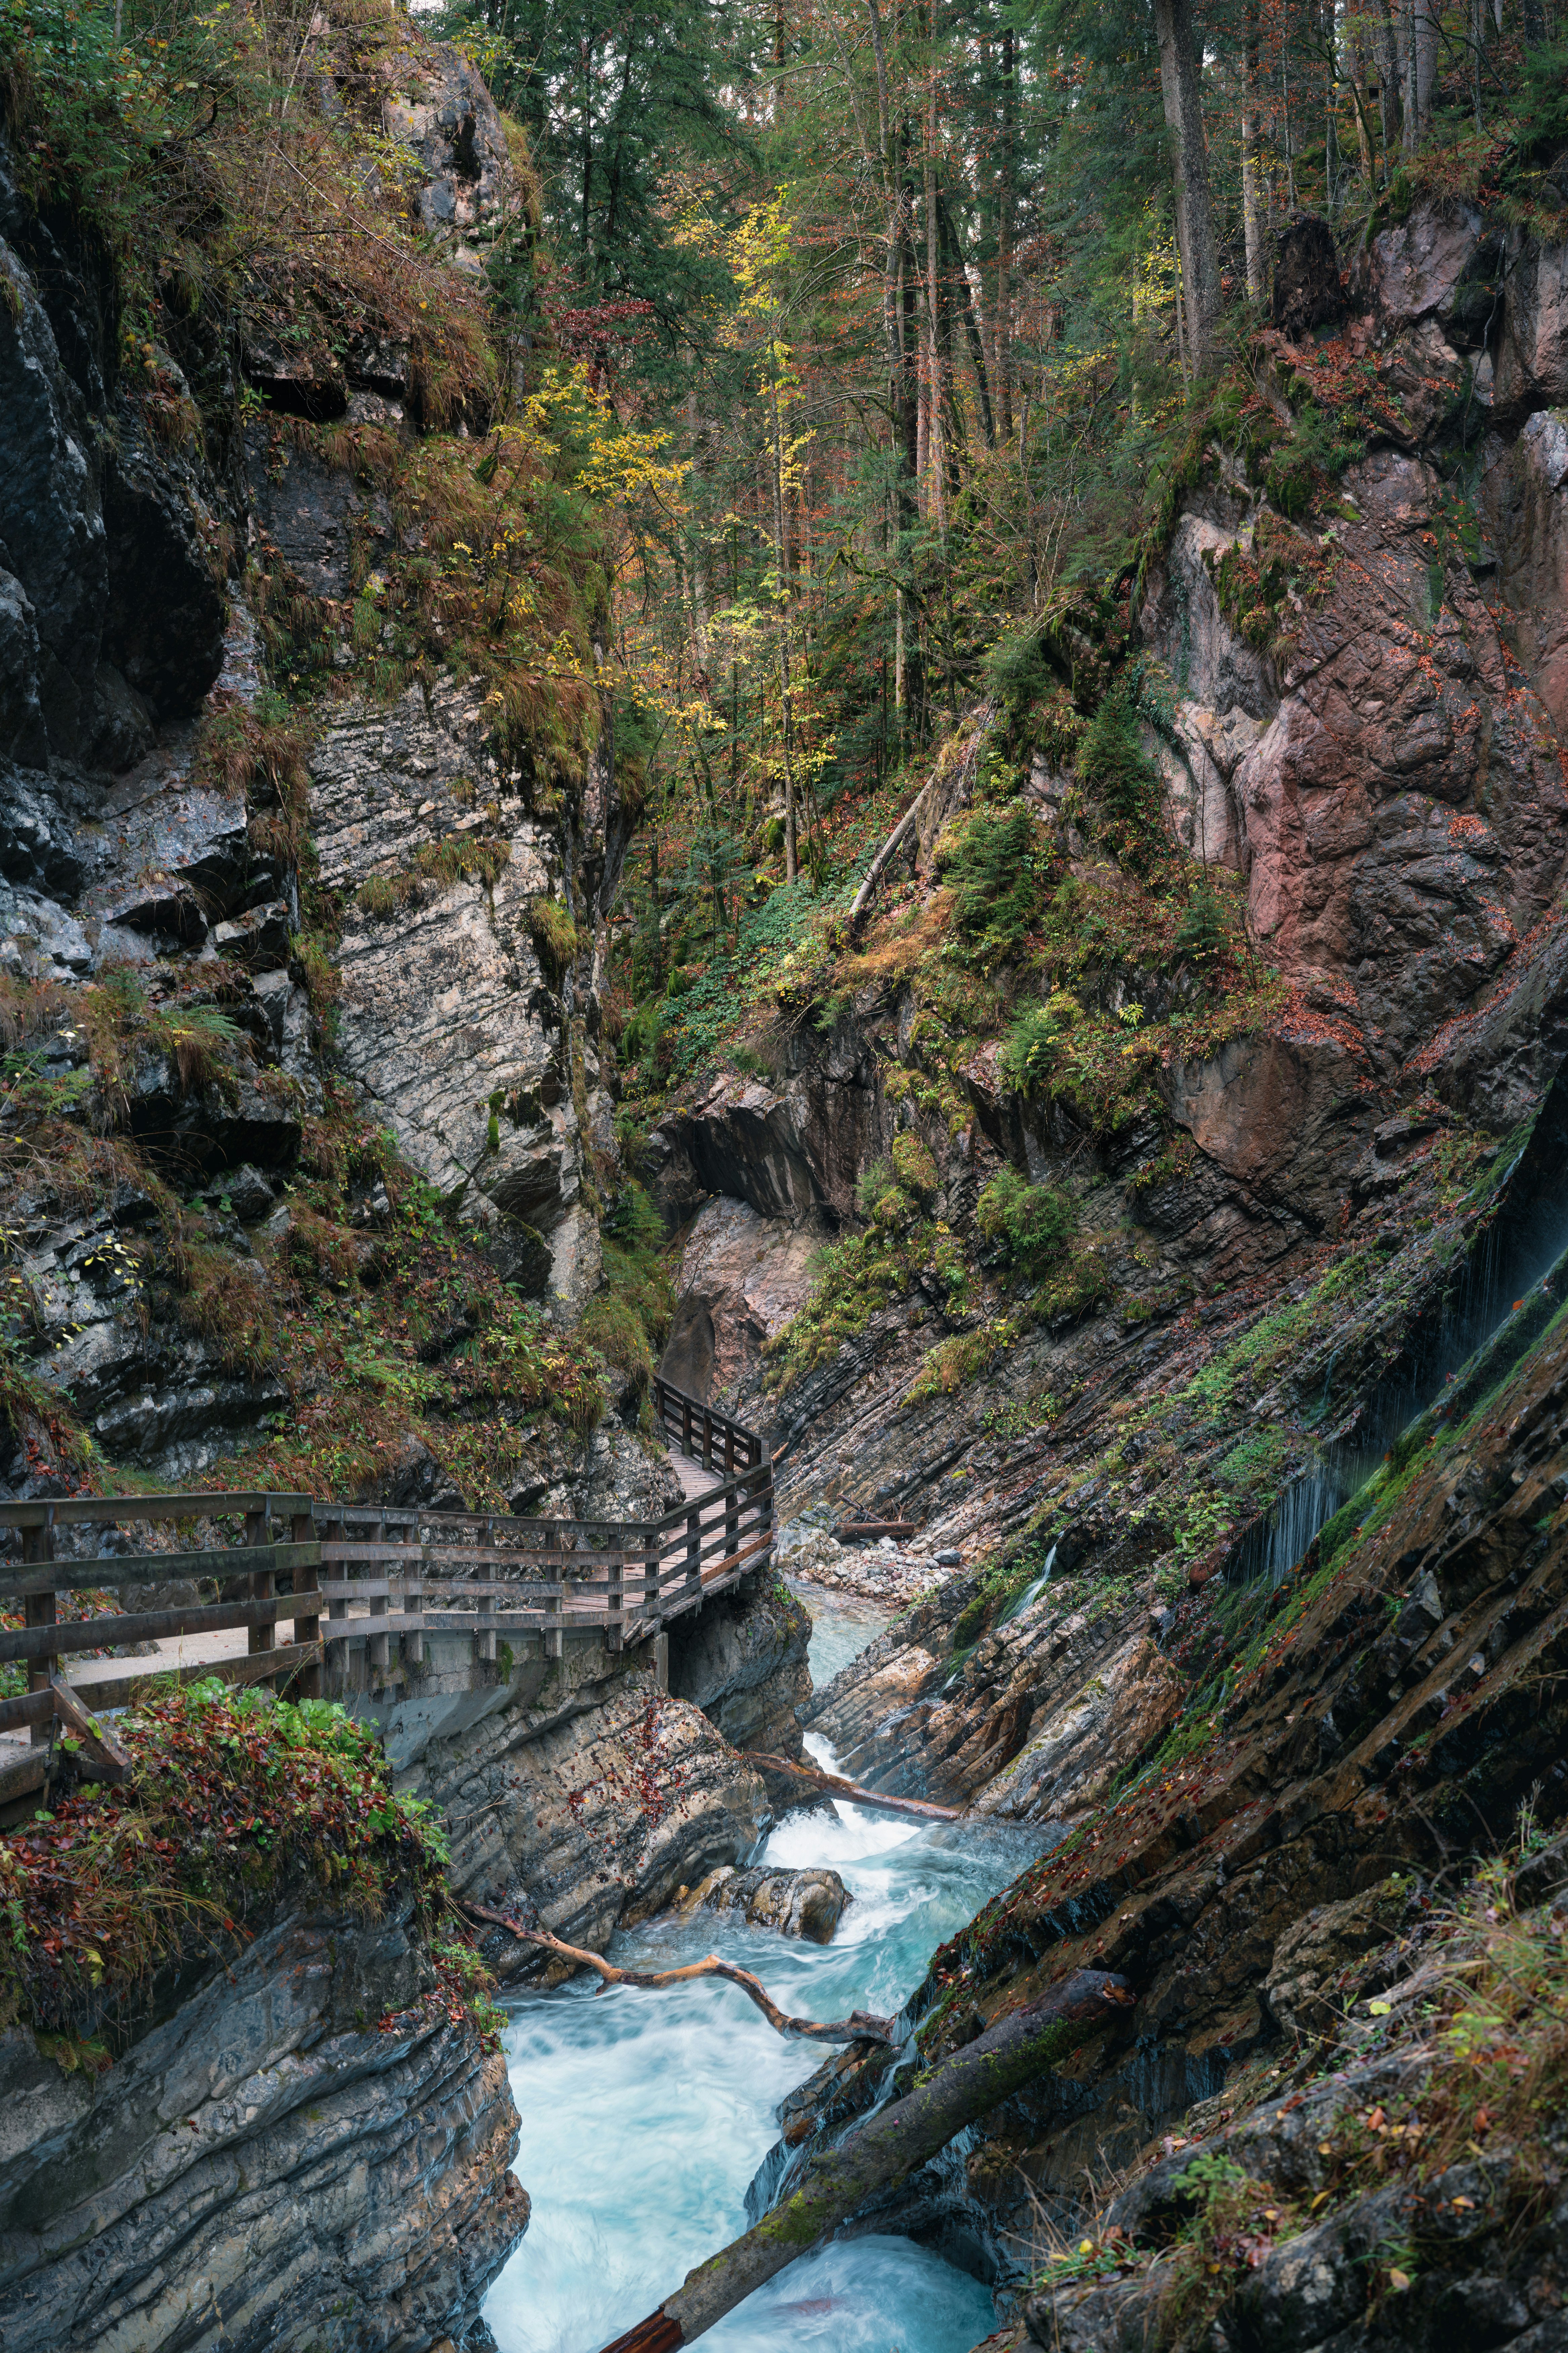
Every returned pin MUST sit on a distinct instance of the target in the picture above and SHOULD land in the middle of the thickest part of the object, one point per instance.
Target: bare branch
(860, 2026)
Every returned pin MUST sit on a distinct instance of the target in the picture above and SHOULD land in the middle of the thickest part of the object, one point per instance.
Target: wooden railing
(699, 1429)
(410, 1576)
(384, 1574)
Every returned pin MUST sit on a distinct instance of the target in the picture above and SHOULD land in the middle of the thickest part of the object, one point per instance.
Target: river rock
(808, 1903)
(581, 1796)
(267, 2167)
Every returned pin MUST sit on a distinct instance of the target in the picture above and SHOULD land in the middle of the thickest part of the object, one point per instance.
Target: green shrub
(1032, 1046)
(996, 872)
(1201, 935)
(915, 1169)
(1034, 1223)
(554, 936)
(1113, 766)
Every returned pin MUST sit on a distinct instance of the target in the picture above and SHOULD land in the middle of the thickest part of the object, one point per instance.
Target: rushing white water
(646, 2115)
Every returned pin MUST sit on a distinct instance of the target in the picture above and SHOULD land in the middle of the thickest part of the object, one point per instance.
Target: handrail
(546, 1577)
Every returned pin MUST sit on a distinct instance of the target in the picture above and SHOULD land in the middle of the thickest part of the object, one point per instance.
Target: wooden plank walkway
(364, 1578)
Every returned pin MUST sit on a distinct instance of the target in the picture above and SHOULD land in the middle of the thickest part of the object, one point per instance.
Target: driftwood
(860, 2026)
(811, 1777)
(899, 2137)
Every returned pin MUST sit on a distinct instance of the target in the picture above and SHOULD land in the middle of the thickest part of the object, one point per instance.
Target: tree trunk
(1405, 51)
(1180, 86)
(1389, 78)
(782, 546)
(900, 430)
(1426, 33)
(835, 2182)
(971, 324)
(587, 147)
(1006, 204)
(1252, 225)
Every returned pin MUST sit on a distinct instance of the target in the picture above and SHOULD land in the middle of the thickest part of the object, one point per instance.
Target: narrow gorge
(784, 1178)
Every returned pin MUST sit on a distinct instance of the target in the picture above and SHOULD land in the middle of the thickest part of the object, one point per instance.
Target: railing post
(414, 1606)
(335, 1656)
(731, 1501)
(306, 1623)
(376, 1653)
(616, 1600)
(692, 1590)
(554, 1632)
(706, 1439)
(263, 1588)
(38, 1544)
(652, 1561)
(488, 1641)
(686, 1425)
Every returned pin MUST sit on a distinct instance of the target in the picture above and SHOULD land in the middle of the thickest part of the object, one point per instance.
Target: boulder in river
(808, 1903)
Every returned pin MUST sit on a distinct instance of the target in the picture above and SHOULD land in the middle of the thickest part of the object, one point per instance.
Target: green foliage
(1121, 778)
(236, 1804)
(1203, 933)
(995, 871)
(1034, 1223)
(458, 858)
(629, 1320)
(955, 1362)
(554, 936)
(1032, 1048)
(915, 1169)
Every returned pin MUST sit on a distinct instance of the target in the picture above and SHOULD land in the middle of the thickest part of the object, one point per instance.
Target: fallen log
(886, 855)
(904, 2134)
(860, 2026)
(830, 1785)
(855, 1531)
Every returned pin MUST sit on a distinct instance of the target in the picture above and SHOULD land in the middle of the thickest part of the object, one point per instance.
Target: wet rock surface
(808, 1903)
(331, 2182)
(741, 1660)
(579, 1798)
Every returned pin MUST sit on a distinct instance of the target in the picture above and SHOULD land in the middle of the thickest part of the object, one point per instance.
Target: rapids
(644, 2116)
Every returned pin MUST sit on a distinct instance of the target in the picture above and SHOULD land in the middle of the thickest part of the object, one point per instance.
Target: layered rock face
(449, 1025)
(1272, 1887)
(1389, 786)
(579, 1796)
(304, 2153)
(300, 2152)
(131, 861)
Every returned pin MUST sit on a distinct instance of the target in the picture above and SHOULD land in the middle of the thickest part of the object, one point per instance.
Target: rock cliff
(309, 1170)
(1253, 1544)
(302, 2154)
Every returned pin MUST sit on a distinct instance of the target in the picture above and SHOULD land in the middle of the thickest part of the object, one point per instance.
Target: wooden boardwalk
(369, 1590)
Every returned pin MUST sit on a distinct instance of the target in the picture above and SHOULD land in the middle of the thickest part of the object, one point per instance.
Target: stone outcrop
(743, 1273)
(741, 1660)
(450, 1024)
(808, 1903)
(1400, 819)
(303, 2156)
(1033, 1723)
(578, 1794)
(790, 1149)
(1376, 1708)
